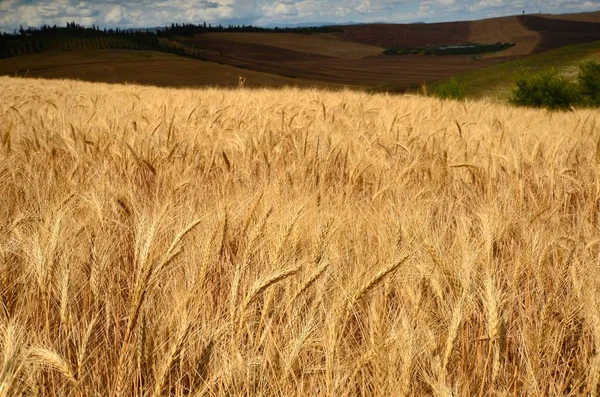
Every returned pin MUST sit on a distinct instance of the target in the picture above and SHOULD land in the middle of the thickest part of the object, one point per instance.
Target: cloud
(149, 13)
(117, 15)
(484, 4)
(588, 5)
(281, 9)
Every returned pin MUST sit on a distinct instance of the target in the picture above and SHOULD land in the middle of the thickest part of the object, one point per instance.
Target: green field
(496, 81)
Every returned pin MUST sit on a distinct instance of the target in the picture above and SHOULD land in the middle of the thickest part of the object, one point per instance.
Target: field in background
(141, 67)
(344, 56)
(497, 80)
(505, 30)
(294, 242)
(381, 71)
(583, 17)
(531, 33)
(319, 43)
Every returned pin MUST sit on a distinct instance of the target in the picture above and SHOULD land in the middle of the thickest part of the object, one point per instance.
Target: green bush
(589, 82)
(451, 89)
(547, 89)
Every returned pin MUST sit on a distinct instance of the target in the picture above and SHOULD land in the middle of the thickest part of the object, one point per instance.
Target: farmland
(497, 80)
(325, 44)
(340, 56)
(400, 72)
(141, 67)
(211, 241)
(354, 55)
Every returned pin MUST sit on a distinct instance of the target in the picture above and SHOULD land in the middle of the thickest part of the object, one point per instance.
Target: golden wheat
(294, 242)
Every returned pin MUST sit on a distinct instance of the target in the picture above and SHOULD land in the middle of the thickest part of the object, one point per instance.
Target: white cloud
(485, 4)
(116, 16)
(281, 9)
(148, 13)
(589, 5)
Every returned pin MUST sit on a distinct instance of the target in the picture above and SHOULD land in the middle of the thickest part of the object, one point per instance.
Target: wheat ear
(142, 288)
(53, 360)
(311, 280)
(83, 348)
(265, 283)
(372, 283)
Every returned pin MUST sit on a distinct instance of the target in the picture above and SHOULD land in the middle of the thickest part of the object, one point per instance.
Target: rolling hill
(350, 55)
(374, 70)
(496, 80)
(325, 44)
(530, 33)
(337, 56)
(141, 67)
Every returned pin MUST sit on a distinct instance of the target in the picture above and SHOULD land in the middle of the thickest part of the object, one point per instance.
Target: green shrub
(451, 89)
(547, 89)
(589, 82)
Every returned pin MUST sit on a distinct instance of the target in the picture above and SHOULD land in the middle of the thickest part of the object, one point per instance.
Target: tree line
(190, 29)
(74, 36)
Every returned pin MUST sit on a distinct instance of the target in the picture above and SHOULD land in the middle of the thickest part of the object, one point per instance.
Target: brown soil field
(398, 35)
(506, 30)
(530, 33)
(583, 17)
(558, 33)
(321, 44)
(354, 56)
(140, 67)
(398, 72)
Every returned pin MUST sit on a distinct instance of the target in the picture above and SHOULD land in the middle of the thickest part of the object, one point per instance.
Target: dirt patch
(506, 30)
(319, 44)
(418, 35)
(530, 33)
(556, 33)
(394, 72)
(582, 17)
(141, 67)
(216, 48)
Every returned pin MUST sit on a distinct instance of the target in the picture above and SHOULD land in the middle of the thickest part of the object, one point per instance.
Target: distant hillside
(583, 16)
(341, 55)
(400, 35)
(77, 37)
(140, 67)
(496, 81)
(530, 33)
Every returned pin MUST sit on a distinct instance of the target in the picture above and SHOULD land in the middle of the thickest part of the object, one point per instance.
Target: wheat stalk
(12, 358)
(453, 328)
(161, 386)
(143, 286)
(96, 181)
(491, 304)
(82, 356)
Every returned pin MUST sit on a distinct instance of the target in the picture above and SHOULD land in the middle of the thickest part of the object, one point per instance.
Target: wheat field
(216, 242)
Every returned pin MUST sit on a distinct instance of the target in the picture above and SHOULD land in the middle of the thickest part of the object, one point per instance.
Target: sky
(148, 13)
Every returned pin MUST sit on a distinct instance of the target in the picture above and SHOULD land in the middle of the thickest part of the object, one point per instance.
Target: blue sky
(148, 13)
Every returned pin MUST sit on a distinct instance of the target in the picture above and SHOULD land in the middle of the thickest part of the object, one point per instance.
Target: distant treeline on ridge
(77, 37)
